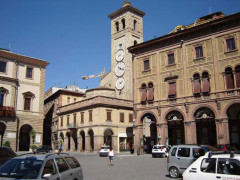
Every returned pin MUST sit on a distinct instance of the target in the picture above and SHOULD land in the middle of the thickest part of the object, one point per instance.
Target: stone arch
(233, 114)
(147, 112)
(91, 138)
(24, 137)
(3, 127)
(108, 133)
(202, 106)
(82, 135)
(149, 122)
(175, 121)
(205, 126)
(174, 109)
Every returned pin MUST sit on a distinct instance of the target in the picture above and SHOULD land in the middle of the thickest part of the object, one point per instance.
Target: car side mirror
(46, 176)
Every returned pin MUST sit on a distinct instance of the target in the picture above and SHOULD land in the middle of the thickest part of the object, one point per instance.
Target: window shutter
(144, 95)
(172, 89)
(196, 86)
(229, 81)
(121, 117)
(237, 75)
(130, 118)
(109, 115)
(150, 95)
(206, 85)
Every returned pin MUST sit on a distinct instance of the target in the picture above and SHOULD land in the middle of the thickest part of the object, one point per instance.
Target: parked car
(181, 156)
(104, 150)
(6, 153)
(159, 151)
(225, 147)
(42, 166)
(214, 166)
(43, 148)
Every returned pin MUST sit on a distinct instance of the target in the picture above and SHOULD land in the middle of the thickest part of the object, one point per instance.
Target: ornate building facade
(187, 84)
(22, 81)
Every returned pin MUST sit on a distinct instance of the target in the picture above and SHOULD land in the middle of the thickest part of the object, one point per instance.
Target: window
(173, 153)
(205, 83)
(172, 90)
(109, 115)
(90, 115)
(82, 117)
(123, 23)
(146, 65)
(68, 100)
(3, 94)
(208, 165)
(130, 117)
(237, 76)
(171, 59)
(134, 25)
(120, 46)
(196, 84)
(3, 67)
(29, 73)
(230, 44)
(62, 165)
(117, 26)
(72, 162)
(229, 78)
(199, 52)
(68, 117)
(61, 121)
(49, 168)
(122, 117)
(150, 93)
(135, 42)
(27, 103)
(75, 100)
(143, 93)
(183, 152)
(228, 166)
(75, 119)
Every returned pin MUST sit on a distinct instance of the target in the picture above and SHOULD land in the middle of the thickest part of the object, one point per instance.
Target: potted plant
(6, 144)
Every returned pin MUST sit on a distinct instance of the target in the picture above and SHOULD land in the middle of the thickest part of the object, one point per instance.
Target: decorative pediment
(4, 90)
(28, 94)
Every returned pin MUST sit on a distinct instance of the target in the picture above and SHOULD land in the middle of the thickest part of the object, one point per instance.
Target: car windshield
(105, 147)
(158, 147)
(21, 168)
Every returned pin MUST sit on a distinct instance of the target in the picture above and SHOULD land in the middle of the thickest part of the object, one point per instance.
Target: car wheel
(173, 172)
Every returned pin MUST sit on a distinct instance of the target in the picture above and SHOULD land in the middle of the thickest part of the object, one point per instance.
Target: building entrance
(233, 114)
(149, 132)
(2, 131)
(205, 126)
(175, 128)
(24, 138)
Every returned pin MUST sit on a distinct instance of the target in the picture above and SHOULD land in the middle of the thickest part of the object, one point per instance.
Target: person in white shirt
(110, 155)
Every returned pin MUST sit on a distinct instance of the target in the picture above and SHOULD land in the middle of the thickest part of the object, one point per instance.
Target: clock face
(120, 83)
(120, 55)
(120, 69)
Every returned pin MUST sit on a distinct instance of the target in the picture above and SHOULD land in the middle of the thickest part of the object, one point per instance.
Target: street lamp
(58, 112)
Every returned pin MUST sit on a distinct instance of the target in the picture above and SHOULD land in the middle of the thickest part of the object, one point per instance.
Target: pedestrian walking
(110, 155)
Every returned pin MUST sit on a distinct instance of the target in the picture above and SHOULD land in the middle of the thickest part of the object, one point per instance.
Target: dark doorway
(24, 137)
(2, 131)
(205, 126)
(91, 136)
(108, 137)
(82, 134)
(69, 141)
(176, 133)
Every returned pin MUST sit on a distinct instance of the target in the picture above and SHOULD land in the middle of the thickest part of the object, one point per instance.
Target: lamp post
(58, 112)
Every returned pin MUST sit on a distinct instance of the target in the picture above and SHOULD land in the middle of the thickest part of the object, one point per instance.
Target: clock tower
(126, 31)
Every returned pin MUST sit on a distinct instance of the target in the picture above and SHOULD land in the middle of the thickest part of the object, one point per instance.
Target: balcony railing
(7, 111)
(72, 126)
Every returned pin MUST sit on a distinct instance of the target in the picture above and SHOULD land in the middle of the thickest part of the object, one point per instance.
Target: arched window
(117, 26)
(229, 78)
(143, 93)
(134, 25)
(196, 84)
(237, 76)
(150, 93)
(205, 82)
(135, 42)
(123, 23)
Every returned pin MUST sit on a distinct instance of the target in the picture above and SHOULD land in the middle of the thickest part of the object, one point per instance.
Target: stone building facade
(22, 81)
(187, 84)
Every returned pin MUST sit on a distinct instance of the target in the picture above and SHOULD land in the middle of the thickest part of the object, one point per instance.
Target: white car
(104, 150)
(159, 151)
(214, 166)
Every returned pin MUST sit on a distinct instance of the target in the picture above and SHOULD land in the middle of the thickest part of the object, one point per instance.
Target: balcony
(72, 126)
(7, 112)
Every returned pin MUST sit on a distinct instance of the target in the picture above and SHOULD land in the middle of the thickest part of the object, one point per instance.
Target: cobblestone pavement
(126, 167)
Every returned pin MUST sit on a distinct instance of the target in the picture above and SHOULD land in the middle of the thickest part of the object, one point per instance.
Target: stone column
(163, 130)
(222, 131)
(87, 143)
(79, 143)
(98, 142)
(138, 137)
(115, 143)
(190, 132)
(65, 143)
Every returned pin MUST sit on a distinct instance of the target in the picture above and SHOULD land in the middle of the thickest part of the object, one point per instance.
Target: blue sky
(74, 35)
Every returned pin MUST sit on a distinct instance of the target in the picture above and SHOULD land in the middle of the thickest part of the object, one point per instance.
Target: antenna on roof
(210, 10)
(9, 46)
